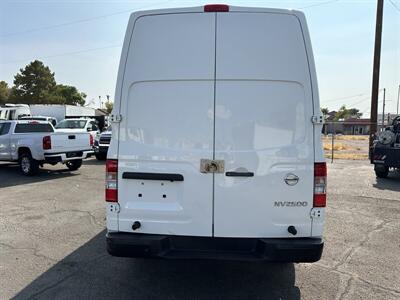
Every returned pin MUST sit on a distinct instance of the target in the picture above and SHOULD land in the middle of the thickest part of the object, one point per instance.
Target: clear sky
(81, 42)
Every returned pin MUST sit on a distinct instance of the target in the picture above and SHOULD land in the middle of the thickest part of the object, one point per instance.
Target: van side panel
(317, 224)
(167, 104)
(263, 126)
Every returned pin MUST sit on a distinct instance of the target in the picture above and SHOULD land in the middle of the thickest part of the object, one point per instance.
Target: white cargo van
(216, 149)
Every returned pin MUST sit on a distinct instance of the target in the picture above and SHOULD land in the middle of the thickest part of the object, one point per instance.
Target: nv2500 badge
(290, 203)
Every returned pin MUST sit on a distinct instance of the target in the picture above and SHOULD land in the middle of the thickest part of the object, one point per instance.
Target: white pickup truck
(34, 143)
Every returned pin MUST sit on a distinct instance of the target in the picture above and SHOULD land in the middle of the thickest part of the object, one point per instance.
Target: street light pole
(383, 109)
(398, 97)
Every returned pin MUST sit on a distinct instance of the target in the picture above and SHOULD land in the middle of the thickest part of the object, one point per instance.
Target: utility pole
(383, 109)
(398, 96)
(375, 75)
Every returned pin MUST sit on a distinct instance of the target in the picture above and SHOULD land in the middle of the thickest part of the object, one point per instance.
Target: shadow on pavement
(392, 182)
(11, 176)
(90, 273)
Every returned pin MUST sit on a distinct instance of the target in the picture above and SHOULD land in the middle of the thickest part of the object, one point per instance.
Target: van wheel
(74, 165)
(27, 165)
(381, 171)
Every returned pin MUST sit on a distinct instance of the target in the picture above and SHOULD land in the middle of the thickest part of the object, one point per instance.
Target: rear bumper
(386, 156)
(101, 149)
(66, 156)
(189, 247)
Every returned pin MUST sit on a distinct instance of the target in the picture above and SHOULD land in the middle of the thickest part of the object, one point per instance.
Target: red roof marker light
(216, 8)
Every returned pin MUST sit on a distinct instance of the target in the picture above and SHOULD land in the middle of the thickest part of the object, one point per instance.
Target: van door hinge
(114, 207)
(316, 213)
(317, 120)
(115, 118)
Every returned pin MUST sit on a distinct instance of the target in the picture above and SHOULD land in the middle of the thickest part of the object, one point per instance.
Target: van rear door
(263, 128)
(167, 125)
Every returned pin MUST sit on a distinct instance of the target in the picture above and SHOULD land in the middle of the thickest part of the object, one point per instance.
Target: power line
(348, 97)
(78, 21)
(318, 4)
(63, 24)
(66, 53)
(345, 97)
(85, 20)
(358, 102)
(394, 5)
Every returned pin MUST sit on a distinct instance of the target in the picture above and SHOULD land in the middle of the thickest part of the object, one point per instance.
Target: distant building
(351, 126)
(356, 126)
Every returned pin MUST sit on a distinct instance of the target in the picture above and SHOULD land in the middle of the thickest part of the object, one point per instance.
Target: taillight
(216, 8)
(91, 139)
(319, 184)
(46, 142)
(112, 180)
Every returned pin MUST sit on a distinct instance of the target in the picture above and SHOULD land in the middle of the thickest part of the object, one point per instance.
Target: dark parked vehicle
(386, 150)
(101, 144)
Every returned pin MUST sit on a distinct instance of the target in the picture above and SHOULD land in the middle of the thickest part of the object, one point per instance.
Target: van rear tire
(27, 165)
(74, 165)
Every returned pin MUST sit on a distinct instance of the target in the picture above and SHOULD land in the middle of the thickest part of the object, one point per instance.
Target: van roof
(197, 9)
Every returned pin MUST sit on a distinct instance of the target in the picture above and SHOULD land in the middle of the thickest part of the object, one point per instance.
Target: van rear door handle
(239, 174)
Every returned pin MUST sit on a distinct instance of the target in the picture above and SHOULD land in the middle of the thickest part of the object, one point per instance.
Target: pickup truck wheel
(74, 165)
(28, 165)
(382, 172)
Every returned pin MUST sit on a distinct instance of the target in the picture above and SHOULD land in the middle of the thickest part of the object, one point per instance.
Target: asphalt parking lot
(52, 245)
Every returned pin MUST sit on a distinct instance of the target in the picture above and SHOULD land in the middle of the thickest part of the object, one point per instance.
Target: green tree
(345, 113)
(34, 84)
(4, 92)
(325, 111)
(66, 94)
(109, 106)
(355, 113)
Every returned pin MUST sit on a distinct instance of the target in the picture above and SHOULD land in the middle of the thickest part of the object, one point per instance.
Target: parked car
(51, 120)
(14, 111)
(216, 148)
(386, 150)
(34, 143)
(101, 144)
(78, 125)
